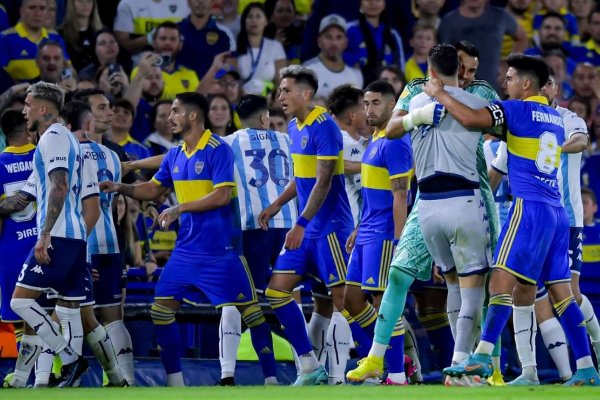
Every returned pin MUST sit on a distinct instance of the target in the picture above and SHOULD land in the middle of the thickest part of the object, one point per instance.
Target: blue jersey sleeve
(163, 177)
(398, 158)
(222, 164)
(328, 141)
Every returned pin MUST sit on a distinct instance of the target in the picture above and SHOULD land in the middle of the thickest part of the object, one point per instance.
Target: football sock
(167, 333)
(499, 310)
(123, 347)
(230, 332)
(591, 324)
(102, 348)
(556, 344)
(573, 323)
(395, 351)
(317, 332)
(262, 341)
(338, 342)
(525, 333)
(453, 304)
(31, 347)
(291, 319)
(469, 320)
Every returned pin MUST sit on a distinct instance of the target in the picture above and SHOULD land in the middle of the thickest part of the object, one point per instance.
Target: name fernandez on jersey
(538, 116)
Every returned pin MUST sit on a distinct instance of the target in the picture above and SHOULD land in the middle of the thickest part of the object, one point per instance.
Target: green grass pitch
(551, 392)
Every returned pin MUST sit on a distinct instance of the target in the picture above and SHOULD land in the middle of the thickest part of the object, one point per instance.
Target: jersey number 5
(263, 173)
(548, 153)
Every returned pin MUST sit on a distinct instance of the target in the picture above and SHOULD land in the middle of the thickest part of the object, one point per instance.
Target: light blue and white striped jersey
(263, 170)
(107, 167)
(570, 170)
(59, 149)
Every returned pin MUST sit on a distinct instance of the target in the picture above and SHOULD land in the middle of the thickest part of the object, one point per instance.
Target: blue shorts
(324, 258)
(9, 272)
(89, 289)
(261, 249)
(534, 243)
(64, 276)
(369, 265)
(112, 278)
(575, 250)
(225, 279)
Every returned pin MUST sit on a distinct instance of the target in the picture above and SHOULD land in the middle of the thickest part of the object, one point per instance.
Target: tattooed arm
(15, 203)
(321, 189)
(57, 193)
(140, 191)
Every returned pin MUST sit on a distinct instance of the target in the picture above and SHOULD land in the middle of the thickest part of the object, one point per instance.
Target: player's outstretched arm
(15, 203)
(57, 194)
(394, 128)
(139, 191)
(576, 143)
(400, 194)
(145, 163)
(265, 215)
(219, 197)
(465, 115)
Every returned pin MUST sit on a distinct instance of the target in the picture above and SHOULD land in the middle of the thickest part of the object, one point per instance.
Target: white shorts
(456, 230)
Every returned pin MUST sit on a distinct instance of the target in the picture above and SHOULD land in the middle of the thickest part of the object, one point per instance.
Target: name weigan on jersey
(20, 166)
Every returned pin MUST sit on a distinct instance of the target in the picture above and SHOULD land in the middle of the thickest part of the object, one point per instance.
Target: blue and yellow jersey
(319, 138)
(383, 160)
(18, 52)
(534, 138)
(571, 28)
(591, 251)
(181, 80)
(415, 70)
(193, 174)
(134, 149)
(19, 232)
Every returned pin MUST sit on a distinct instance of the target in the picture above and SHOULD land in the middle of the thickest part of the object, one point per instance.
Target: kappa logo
(198, 167)
(37, 269)
(555, 345)
(354, 151)
(124, 351)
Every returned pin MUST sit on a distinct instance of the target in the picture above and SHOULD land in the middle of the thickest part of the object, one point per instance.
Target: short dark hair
(168, 25)
(10, 120)
(74, 114)
(302, 75)
(46, 43)
(534, 67)
(381, 86)
(589, 192)
(277, 112)
(552, 14)
(85, 94)
(155, 109)
(194, 100)
(250, 105)
(443, 58)
(126, 104)
(342, 98)
(467, 47)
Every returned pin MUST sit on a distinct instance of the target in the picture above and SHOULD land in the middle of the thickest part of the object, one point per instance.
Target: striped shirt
(263, 170)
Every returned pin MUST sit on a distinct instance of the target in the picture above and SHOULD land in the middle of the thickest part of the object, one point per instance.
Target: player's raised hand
(266, 214)
(433, 87)
(294, 237)
(168, 216)
(351, 241)
(41, 249)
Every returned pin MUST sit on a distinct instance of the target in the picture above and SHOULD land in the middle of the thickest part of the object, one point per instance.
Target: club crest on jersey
(304, 141)
(373, 152)
(173, 8)
(198, 167)
(212, 37)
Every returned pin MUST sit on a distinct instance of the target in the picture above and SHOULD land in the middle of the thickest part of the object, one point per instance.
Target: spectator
(591, 243)
(202, 34)
(106, 52)
(329, 65)
(259, 58)
(590, 174)
(522, 12)
(50, 18)
(230, 18)
(278, 121)
(220, 115)
(177, 78)
(78, 29)
(162, 139)
(136, 19)
(485, 27)
(428, 12)
(557, 6)
(593, 43)
(122, 121)
(558, 61)
(227, 83)
(582, 10)
(127, 236)
(52, 66)
(372, 43)
(585, 84)
(285, 27)
(393, 75)
(19, 45)
(113, 80)
(551, 36)
(422, 40)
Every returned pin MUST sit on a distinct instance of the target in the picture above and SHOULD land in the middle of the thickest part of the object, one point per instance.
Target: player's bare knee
(88, 319)
(524, 294)
(110, 314)
(472, 281)
(324, 306)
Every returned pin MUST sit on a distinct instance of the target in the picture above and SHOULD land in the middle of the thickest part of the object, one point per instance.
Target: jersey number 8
(548, 153)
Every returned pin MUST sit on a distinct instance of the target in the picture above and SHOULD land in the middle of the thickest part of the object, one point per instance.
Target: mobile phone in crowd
(66, 74)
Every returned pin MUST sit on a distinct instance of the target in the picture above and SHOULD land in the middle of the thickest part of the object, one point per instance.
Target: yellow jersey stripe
(187, 191)
(526, 279)
(218, 185)
(591, 253)
(529, 148)
(375, 177)
(305, 165)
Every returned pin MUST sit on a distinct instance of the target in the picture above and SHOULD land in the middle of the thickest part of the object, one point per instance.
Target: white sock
(36, 317)
(485, 347)
(378, 349)
(43, 366)
(317, 332)
(453, 303)
(591, 324)
(469, 320)
(121, 341)
(230, 333)
(308, 362)
(525, 332)
(31, 347)
(397, 377)
(102, 348)
(175, 379)
(411, 350)
(556, 343)
(339, 338)
(584, 362)
(72, 327)
(296, 360)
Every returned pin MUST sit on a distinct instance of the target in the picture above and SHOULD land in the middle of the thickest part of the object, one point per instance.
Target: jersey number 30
(547, 155)
(263, 173)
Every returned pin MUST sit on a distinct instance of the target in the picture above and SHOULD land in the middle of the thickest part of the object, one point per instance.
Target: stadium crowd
(361, 151)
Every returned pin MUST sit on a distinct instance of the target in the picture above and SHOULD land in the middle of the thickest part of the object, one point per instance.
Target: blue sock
(573, 323)
(362, 342)
(395, 352)
(262, 341)
(499, 310)
(167, 337)
(291, 319)
(440, 336)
